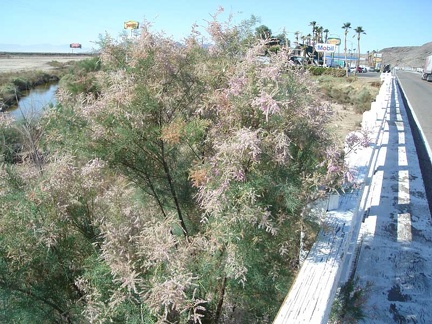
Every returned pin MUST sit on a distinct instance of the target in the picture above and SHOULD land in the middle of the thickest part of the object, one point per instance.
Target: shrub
(353, 91)
(81, 77)
(319, 71)
(88, 65)
(21, 83)
(181, 182)
(9, 94)
(362, 101)
(348, 306)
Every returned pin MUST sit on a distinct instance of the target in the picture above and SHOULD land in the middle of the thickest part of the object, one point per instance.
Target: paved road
(417, 98)
(419, 95)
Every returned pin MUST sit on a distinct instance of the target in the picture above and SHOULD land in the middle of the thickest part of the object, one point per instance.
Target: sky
(51, 25)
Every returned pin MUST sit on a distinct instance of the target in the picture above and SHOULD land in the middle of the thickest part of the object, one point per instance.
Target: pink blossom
(237, 84)
(266, 104)
(270, 72)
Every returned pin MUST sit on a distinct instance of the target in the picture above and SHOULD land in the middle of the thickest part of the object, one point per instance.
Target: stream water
(35, 101)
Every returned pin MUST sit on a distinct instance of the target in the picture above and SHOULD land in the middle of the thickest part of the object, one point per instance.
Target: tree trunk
(218, 312)
(173, 193)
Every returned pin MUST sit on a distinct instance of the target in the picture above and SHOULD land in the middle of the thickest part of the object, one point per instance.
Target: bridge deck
(386, 223)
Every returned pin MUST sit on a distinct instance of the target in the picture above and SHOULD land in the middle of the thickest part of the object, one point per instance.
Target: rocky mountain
(406, 56)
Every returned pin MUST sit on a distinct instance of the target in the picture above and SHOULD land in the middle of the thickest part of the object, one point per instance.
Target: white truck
(427, 69)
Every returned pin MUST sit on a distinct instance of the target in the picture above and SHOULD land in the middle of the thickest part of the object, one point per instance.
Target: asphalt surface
(417, 96)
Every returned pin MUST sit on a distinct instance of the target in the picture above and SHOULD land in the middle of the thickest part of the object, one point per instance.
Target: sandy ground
(15, 63)
(344, 120)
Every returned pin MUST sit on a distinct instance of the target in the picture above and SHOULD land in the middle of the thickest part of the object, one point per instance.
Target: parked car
(371, 69)
(296, 60)
(360, 69)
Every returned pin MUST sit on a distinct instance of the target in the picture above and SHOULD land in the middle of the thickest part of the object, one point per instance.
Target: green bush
(21, 83)
(349, 303)
(352, 91)
(362, 101)
(316, 70)
(81, 77)
(88, 65)
(8, 94)
(319, 70)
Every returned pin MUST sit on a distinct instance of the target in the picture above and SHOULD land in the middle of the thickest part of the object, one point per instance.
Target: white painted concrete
(387, 220)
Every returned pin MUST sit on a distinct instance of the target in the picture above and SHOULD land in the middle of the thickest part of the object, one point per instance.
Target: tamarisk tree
(196, 165)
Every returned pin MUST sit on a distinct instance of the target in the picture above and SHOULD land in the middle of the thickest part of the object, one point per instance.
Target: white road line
(403, 187)
(404, 228)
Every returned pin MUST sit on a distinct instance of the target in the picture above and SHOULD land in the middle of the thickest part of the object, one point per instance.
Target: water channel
(34, 101)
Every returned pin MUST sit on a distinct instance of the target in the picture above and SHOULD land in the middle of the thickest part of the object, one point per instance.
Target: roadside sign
(131, 24)
(325, 48)
(334, 41)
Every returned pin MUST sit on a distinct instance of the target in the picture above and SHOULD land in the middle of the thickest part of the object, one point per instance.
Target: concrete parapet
(311, 295)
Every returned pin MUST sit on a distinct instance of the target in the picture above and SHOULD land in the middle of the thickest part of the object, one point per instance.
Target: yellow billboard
(131, 24)
(334, 41)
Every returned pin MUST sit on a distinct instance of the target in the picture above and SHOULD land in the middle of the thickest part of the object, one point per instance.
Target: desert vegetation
(13, 84)
(170, 184)
(353, 93)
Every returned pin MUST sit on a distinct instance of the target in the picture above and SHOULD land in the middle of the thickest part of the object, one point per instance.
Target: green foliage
(39, 262)
(9, 94)
(351, 91)
(88, 65)
(10, 145)
(81, 77)
(21, 84)
(263, 32)
(172, 187)
(274, 49)
(348, 306)
(319, 70)
(363, 101)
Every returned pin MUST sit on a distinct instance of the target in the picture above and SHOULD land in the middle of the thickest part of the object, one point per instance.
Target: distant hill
(406, 56)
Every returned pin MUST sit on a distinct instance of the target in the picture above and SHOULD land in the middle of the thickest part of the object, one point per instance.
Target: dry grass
(349, 97)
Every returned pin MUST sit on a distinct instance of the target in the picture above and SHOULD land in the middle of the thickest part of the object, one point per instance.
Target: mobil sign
(325, 47)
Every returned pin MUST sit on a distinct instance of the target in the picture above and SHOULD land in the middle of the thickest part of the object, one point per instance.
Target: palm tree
(313, 24)
(373, 58)
(304, 46)
(359, 30)
(319, 34)
(312, 41)
(318, 37)
(326, 31)
(346, 26)
(297, 33)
